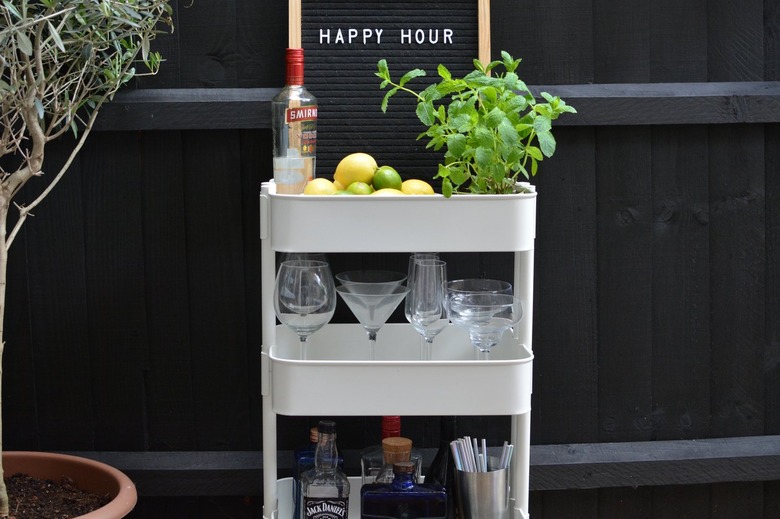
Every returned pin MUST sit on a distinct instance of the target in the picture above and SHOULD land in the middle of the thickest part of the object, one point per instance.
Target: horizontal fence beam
(596, 104)
(553, 467)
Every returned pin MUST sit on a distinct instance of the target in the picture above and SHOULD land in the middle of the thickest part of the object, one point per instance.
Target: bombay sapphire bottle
(325, 488)
(403, 498)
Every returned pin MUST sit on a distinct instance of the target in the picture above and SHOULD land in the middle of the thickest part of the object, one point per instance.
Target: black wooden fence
(133, 316)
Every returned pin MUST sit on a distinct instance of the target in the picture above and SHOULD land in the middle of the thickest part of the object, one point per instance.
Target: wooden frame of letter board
(342, 78)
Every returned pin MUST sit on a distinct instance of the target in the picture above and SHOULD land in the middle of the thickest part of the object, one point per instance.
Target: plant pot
(89, 475)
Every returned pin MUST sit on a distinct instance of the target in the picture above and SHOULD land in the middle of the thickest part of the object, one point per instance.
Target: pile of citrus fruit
(358, 174)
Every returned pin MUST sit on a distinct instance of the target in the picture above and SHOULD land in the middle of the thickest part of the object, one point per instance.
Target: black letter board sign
(342, 42)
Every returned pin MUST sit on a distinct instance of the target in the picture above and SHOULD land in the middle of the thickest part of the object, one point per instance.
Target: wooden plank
(167, 381)
(672, 462)
(772, 283)
(215, 271)
(735, 40)
(674, 26)
(680, 252)
(676, 501)
(114, 274)
(58, 310)
(621, 41)
(597, 105)
(555, 44)
(565, 335)
(553, 467)
(624, 255)
(738, 279)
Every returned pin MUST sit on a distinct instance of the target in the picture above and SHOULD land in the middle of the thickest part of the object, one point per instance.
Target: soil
(32, 498)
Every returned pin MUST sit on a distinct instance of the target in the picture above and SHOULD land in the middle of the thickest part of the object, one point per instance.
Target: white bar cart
(337, 356)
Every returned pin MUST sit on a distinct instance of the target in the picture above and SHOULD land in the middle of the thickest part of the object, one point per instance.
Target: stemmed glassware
(304, 297)
(426, 303)
(372, 302)
(485, 315)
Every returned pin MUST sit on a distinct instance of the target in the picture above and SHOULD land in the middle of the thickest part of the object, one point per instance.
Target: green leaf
(382, 70)
(444, 72)
(547, 143)
(55, 35)
(456, 144)
(39, 108)
(24, 43)
(12, 9)
(386, 99)
(483, 156)
(495, 117)
(508, 134)
(483, 137)
(426, 113)
(542, 123)
(411, 75)
(534, 152)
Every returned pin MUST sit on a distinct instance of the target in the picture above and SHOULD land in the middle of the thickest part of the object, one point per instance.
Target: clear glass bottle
(294, 125)
(325, 488)
(403, 498)
(372, 459)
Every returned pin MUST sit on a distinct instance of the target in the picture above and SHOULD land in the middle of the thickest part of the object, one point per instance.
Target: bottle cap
(314, 434)
(391, 426)
(404, 467)
(396, 448)
(326, 427)
(294, 66)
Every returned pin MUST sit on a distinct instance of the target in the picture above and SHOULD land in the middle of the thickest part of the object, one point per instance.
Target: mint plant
(492, 126)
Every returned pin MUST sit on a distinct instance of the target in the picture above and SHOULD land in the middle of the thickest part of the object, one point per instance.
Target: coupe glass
(426, 301)
(304, 297)
(372, 304)
(479, 285)
(486, 316)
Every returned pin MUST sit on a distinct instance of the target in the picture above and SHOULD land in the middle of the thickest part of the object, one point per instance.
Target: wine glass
(426, 301)
(372, 304)
(304, 297)
(486, 316)
(410, 277)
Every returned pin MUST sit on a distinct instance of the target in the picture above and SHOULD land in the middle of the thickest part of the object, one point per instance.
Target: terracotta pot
(89, 475)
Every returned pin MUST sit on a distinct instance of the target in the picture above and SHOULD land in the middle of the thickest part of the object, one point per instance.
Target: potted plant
(60, 60)
(492, 126)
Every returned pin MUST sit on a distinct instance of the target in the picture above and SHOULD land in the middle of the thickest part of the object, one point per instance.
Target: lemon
(339, 185)
(355, 167)
(360, 188)
(414, 186)
(319, 186)
(387, 177)
(388, 191)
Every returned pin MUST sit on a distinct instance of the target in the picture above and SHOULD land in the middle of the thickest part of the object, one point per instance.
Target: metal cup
(482, 495)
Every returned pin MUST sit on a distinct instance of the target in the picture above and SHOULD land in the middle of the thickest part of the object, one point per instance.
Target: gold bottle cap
(314, 435)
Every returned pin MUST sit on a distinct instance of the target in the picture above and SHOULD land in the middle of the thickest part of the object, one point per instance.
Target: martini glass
(486, 316)
(381, 280)
(304, 297)
(372, 304)
(426, 302)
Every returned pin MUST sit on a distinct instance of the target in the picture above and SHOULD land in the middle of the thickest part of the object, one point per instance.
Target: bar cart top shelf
(420, 223)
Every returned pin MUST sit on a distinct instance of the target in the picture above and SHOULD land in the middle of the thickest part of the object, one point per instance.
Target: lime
(319, 186)
(360, 188)
(355, 167)
(387, 177)
(414, 186)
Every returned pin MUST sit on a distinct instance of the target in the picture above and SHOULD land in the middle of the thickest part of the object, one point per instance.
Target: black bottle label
(325, 508)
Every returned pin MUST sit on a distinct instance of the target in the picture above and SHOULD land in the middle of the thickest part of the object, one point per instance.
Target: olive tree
(60, 60)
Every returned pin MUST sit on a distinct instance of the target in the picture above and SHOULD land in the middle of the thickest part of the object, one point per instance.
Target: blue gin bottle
(403, 498)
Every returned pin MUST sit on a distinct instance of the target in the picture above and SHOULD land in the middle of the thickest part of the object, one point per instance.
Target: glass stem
(371, 345)
(428, 348)
(304, 349)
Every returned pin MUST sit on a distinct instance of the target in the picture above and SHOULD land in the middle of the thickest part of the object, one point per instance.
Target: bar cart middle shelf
(453, 382)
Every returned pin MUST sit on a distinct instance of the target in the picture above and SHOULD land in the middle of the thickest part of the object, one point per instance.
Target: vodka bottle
(294, 124)
(325, 488)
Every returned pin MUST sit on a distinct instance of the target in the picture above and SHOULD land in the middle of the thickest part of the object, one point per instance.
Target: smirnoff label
(325, 508)
(300, 114)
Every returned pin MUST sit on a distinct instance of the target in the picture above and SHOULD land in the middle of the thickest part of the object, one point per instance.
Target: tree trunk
(4, 206)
